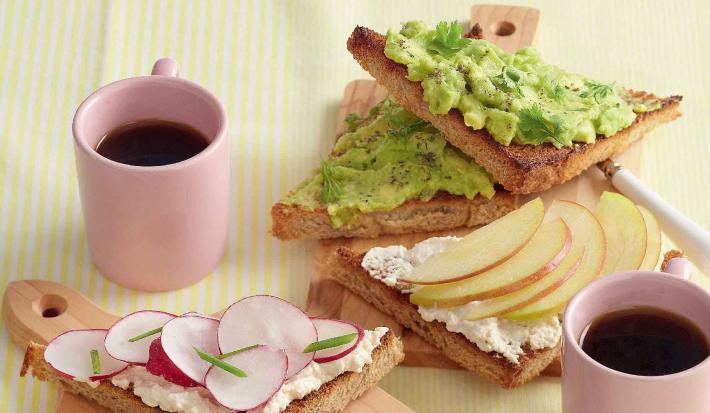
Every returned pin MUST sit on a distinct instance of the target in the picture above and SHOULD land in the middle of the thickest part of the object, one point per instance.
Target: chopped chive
(231, 353)
(146, 334)
(330, 343)
(213, 360)
(95, 362)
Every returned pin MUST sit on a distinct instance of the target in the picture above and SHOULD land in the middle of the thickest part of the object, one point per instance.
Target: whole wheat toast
(520, 169)
(345, 267)
(331, 397)
(444, 211)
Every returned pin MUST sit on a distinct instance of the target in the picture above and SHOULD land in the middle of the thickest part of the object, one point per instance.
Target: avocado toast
(390, 173)
(529, 124)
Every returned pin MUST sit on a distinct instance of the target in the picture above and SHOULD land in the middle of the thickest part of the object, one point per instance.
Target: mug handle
(166, 67)
(680, 267)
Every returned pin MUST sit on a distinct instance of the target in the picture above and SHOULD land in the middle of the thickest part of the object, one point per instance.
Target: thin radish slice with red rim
(265, 368)
(70, 355)
(179, 337)
(329, 328)
(268, 320)
(118, 343)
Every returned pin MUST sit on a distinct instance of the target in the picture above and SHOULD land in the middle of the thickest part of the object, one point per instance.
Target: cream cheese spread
(158, 392)
(505, 337)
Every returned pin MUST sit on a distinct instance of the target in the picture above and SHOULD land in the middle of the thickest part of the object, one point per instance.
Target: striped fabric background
(280, 67)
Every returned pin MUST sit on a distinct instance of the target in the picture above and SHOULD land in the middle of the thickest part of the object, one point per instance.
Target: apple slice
(265, 368)
(482, 249)
(587, 235)
(530, 294)
(625, 232)
(182, 334)
(118, 343)
(546, 249)
(653, 240)
(328, 328)
(70, 355)
(264, 319)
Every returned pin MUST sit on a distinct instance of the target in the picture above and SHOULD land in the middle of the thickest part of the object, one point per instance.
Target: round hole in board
(50, 306)
(503, 28)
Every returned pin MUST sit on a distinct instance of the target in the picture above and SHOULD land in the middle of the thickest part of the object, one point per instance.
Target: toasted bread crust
(444, 211)
(345, 267)
(332, 397)
(521, 169)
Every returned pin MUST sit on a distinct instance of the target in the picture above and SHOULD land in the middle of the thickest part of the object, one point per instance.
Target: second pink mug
(590, 387)
(160, 227)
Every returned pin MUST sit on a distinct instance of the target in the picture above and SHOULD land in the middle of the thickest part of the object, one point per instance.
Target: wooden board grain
(328, 298)
(26, 301)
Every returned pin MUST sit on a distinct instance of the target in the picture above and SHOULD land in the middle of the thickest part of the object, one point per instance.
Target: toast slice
(345, 267)
(444, 211)
(521, 169)
(333, 396)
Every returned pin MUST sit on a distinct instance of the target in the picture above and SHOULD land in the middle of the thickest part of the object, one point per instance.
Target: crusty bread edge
(444, 211)
(520, 169)
(345, 267)
(331, 397)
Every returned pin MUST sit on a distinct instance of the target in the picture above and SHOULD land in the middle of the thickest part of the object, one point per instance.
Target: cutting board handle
(510, 27)
(38, 310)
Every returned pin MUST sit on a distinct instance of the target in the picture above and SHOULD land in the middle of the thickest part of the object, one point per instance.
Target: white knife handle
(689, 236)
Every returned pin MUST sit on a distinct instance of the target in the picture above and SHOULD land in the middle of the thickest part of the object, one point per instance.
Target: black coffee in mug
(645, 341)
(152, 142)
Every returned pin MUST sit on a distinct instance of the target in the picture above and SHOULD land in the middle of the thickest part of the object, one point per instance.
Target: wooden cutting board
(326, 297)
(37, 310)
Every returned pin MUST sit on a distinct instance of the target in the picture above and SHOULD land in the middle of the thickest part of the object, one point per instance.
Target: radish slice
(263, 319)
(70, 355)
(159, 364)
(328, 328)
(134, 324)
(180, 336)
(266, 372)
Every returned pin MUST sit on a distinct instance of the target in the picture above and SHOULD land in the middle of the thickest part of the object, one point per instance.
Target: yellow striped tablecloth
(280, 67)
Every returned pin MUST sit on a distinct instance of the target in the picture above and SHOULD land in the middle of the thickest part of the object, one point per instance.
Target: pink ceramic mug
(160, 227)
(588, 386)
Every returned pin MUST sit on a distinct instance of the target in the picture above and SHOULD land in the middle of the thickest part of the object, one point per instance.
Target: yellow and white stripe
(280, 67)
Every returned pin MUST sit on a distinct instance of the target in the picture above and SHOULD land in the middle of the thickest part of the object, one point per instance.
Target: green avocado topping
(384, 160)
(516, 97)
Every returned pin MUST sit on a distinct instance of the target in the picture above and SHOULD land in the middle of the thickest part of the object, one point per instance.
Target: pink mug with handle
(162, 227)
(588, 386)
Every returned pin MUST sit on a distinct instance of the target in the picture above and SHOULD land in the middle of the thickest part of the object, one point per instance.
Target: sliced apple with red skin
(482, 249)
(625, 232)
(530, 294)
(587, 235)
(545, 251)
(653, 240)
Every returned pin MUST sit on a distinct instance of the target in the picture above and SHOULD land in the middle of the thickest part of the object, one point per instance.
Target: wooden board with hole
(38, 310)
(326, 297)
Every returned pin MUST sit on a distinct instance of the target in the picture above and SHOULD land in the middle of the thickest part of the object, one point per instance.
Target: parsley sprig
(557, 91)
(508, 80)
(447, 39)
(533, 124)
(332, 189)
(597, 90)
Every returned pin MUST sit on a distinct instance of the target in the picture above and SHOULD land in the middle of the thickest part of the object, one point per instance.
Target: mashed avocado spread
(516, 97)
(384, 160)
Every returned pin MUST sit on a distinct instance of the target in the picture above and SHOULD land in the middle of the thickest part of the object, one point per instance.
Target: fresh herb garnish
(508, 80)
(405, 130)
(597, 90)
(534, 125)
(241, 350)
(332, 189)
(353, 121)
(95, 362)
(557, 91)
(215, 361)
(146, 334)
(447, 39)
(330, 343)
